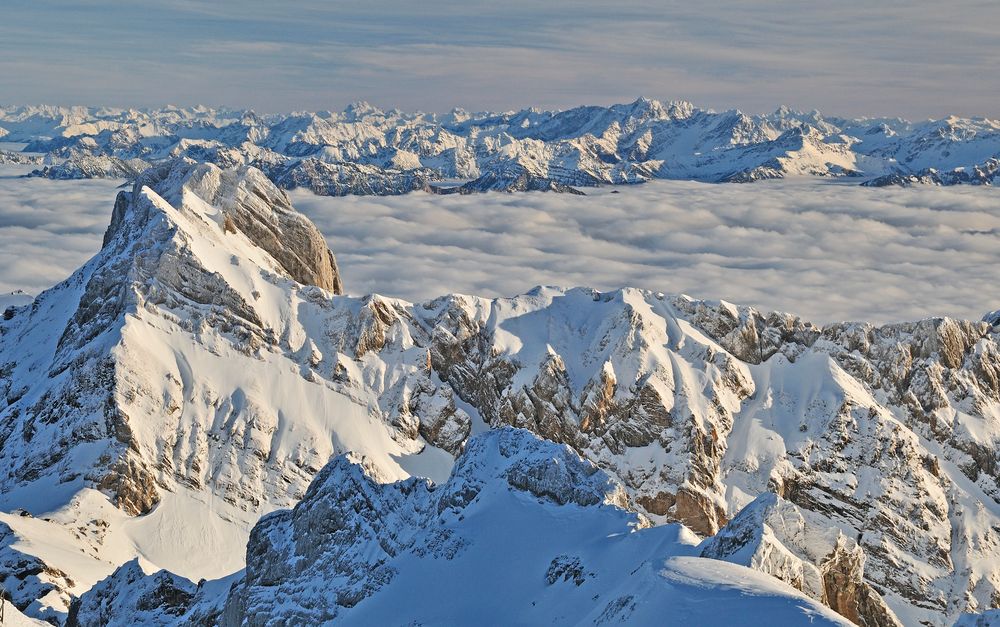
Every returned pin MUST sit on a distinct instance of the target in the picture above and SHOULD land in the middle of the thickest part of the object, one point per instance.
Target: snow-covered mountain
(201, 371)
(522, 532)
(365, 150)
(18, 158)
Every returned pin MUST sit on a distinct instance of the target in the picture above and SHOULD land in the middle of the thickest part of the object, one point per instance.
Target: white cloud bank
(48, 228)
(825, 251)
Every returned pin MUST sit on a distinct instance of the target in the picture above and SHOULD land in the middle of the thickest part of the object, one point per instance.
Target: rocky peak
(358, 551)
(246, 201)
(796, 546)
(213, 255)
(357, 530)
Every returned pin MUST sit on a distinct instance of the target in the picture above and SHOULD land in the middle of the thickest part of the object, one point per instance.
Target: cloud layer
(823, 250)
(48, 228)
(917, 58)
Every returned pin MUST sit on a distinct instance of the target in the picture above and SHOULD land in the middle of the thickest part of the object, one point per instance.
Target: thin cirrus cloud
(915, 58)
(824, 251)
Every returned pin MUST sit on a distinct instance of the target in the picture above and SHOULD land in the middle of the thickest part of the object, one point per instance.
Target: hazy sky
(913, 58)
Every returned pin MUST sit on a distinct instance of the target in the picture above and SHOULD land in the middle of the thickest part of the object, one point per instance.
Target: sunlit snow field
(827, 251)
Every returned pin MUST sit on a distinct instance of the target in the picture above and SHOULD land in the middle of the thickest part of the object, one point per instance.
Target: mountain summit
(200, 372)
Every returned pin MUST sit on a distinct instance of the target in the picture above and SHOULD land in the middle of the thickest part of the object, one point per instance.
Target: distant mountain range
(365, 150)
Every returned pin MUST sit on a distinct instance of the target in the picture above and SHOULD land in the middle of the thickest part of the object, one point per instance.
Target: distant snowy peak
(86, 166)
(365, 150)
(344, 179)
(515, 178)
(10, 300)
(17, 158)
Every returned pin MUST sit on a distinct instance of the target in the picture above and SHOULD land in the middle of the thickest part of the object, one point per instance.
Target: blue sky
(916, 58)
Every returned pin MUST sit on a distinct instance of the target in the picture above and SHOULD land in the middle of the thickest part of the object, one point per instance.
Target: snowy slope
(200, 371)
(14, 618)
(364, 150)
(178, 380)
(524, 532)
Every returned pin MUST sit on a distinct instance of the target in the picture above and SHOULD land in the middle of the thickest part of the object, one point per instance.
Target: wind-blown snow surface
(806, 246)
(12, 617)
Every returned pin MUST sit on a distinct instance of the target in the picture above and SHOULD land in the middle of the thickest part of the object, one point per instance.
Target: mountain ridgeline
(200, 398)
(365, 150)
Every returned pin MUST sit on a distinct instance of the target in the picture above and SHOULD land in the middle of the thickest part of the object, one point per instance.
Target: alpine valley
(200, 427)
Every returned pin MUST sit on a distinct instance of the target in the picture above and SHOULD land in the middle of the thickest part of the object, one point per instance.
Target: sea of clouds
(823, 250)
(48, 228)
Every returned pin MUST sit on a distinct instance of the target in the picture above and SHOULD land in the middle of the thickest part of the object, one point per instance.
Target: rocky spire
(249, 203)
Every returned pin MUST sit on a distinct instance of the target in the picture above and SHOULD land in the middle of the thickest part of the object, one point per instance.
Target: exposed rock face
(848, 594)
(796, 546)
(357, 551)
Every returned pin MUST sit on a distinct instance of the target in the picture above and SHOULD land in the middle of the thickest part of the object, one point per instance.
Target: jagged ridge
(184, 371)
(364, 150)
(523, 531)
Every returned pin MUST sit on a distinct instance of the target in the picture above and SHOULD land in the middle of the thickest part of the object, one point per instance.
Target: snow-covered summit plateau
(563, 456)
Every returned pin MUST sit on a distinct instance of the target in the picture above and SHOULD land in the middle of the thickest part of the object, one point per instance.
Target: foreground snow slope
(12, 617)
(524, 532)
(200, 371)
(365, 150)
